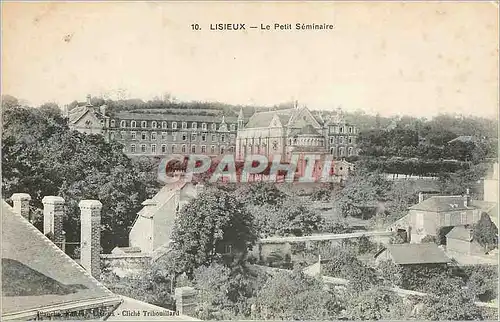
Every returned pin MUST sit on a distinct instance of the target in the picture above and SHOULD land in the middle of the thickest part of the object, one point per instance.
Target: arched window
(184, 125)
(133, 124)
(154, 124)
(113, 123)
(174, 125)
(214, 126)
(144, 124)
(194, 125)
(123, 124)
(349, 151)
(163, 125)
(203, 126)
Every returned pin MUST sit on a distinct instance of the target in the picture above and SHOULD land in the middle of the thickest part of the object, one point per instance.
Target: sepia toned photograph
(249, 160)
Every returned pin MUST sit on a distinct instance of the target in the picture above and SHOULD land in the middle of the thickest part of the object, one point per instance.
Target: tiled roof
(442, 203)
(427, 253)
(306, 130)
(172, 117)
(38, 276)
(460, 233)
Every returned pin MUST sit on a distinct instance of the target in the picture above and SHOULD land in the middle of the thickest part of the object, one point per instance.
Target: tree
(209, 223)
(453, 305)
(362, 193)
(375, 304)
(9, 101)
(482, 281)
(295, 296)
(485, 232)
(261, 193)
(343, 263)
(42, 157)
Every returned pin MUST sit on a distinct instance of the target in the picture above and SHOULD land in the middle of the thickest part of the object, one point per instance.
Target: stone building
(295, 131)
(155, 133)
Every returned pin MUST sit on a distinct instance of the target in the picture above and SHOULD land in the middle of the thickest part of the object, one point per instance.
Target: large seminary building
(284, 132)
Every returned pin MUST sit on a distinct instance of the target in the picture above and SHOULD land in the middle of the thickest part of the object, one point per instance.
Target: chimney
(185, 300)
(89, 100)
(53, 214)
(90, 240)
(22, 204)
(420, 197)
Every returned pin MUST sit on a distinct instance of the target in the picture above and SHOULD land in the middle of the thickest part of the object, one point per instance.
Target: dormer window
(123, 124)
(184, 125)
(214, 127)
(133, 124)
(163, 125)
(144, 124)
(154, 124)
(194, 125)
(174, 125)
(113, 123)
(204, 126)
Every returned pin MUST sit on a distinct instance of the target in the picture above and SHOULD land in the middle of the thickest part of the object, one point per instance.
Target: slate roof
(442, 204)
(172, 117)
(463, 138)
(460, 233)
(263, 119)
(427, 253)
(38, 276)
(491, 208)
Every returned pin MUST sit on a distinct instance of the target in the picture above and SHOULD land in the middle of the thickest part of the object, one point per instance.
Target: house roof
(463, 138)
(427, 253)
(491, 208)
(172, 117)
(442, 203)
(38, 276)
(460, 233)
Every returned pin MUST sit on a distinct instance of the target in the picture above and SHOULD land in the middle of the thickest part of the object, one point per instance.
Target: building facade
(285, 132)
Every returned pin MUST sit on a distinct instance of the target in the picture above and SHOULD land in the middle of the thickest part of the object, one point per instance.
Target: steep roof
(491, 208)
(172, 117)
(460, 233)
(427, 253)
(154, 313)
(442, 203)
(464, 138)
(263, 119)
(38, 276)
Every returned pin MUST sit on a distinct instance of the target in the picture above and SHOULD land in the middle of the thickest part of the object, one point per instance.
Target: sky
(391, 58)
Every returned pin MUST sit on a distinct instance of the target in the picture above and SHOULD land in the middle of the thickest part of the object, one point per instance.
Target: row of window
(341, 140)
(341, 151)
(164, 125)
(143, 148)
(164, 136)
(342, 129)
